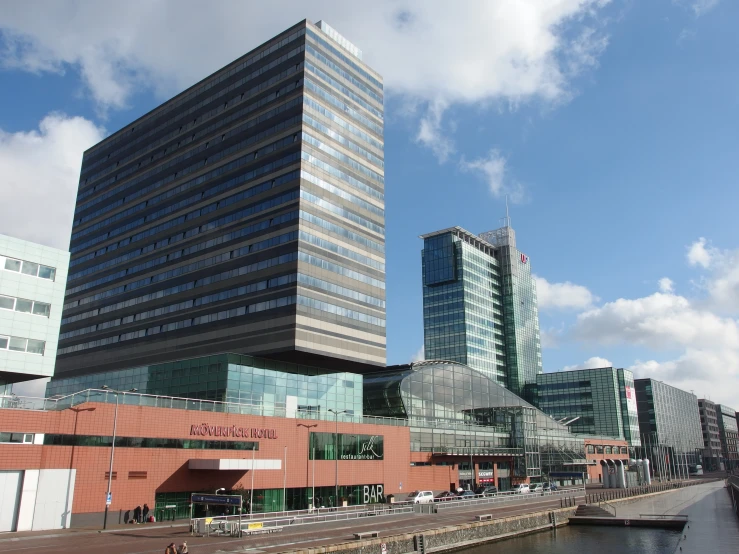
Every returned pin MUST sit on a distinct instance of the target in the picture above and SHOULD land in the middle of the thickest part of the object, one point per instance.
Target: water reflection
(603, 540)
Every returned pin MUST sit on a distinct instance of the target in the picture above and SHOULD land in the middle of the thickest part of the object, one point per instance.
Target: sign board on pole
(383, 547)
(216, 499)
(108, 499)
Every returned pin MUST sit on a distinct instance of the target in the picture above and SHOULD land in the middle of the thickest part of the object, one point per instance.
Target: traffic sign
(108, 499)
(383, 547)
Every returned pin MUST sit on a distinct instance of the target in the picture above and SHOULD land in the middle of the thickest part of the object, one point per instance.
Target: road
(155, 539)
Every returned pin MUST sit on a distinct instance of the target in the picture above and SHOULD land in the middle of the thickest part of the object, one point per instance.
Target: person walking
(145, 513)
(137, 514)
(171, 549)
(183, 549)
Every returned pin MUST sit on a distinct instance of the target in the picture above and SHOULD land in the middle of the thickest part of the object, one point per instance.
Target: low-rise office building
(712, 451)
(670, 426)
(598, 401)
(603, 449)
(32, 282)
(727, 425)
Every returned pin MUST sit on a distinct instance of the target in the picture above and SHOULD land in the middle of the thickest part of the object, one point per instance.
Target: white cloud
(591, 363)
(698, 254)
(493, 170)
(702, 7)
(666, 285)
(713, 373)
(40, 171)
(698, 7)
(666, 322)
(431, 134)
(510, 50)
(562, 296)
(420, 355)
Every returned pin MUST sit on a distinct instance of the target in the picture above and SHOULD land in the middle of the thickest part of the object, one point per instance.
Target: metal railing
(230, 524)
(608, 507)
(508, 496)
(477, 451)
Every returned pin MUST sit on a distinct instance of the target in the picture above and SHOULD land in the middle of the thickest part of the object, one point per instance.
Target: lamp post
(112, 450)
(313, 492)
(336, 452)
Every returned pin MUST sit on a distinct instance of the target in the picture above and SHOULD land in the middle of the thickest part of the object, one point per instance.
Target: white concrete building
(32, 282)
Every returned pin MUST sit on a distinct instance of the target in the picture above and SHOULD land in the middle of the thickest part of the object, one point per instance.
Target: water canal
(603, 540)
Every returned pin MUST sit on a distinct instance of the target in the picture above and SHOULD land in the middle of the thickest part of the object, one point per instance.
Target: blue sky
(611, 125)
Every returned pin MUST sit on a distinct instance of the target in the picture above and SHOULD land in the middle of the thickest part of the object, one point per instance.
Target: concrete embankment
(470, 534)
(452, 537)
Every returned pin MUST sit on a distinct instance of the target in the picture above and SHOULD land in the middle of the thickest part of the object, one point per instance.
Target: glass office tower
(480, 307)
(592, 401)
(668, 417)
(245, 215)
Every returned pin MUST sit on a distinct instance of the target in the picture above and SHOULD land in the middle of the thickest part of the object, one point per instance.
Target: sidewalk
(113, 528)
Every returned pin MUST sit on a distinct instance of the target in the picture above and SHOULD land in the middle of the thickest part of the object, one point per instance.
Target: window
(46, 272)
(18, 344)
(41, 308)
(607, 450)
(24, 306)
(591, 449)
(30, 268)
(16, 438)
(36, 346)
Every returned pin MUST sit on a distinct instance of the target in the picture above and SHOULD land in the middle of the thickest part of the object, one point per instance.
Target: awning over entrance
(226, 464)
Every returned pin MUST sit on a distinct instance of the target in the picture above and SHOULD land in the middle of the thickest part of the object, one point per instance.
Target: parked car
(490, 490)
(467, 495)
(444, 496)
(536, 488)
(421, 497)
(522, 488)
(550, 487)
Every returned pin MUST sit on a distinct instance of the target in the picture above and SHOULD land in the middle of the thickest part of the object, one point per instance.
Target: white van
(421, 497)
(522, 488)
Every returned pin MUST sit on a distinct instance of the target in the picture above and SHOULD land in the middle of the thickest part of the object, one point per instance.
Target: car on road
(444, 496)
(467, 495)
(487, 491)
(421, 497)
(537, 488)
(521, 488)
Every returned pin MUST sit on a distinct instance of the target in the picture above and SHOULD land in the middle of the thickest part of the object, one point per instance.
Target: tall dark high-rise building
(245, 215)
(480, 306)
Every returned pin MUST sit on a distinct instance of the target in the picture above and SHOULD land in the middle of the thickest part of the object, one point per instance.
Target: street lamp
(313, 492)
(336, 452)
(219, 490)
(112, 449)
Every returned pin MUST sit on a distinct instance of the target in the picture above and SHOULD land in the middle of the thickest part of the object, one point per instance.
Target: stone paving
(712, 525)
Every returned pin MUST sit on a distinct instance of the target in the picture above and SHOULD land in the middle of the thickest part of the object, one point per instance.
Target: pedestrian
(137, 514)
(183, 548)
(171, 549)
(146, 513)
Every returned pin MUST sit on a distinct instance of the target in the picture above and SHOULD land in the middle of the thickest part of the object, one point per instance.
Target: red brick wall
(167, 469)
(595, 473)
